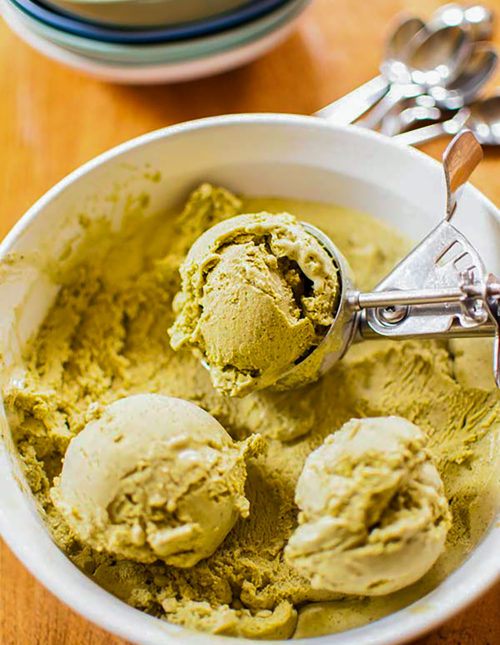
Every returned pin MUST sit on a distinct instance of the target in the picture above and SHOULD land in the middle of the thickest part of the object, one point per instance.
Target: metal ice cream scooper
(440, 290)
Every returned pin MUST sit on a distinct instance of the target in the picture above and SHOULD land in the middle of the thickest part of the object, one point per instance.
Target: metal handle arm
(358, 300)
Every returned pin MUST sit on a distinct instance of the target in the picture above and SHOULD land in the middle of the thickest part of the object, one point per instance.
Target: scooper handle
(460, 159)
(458, 299)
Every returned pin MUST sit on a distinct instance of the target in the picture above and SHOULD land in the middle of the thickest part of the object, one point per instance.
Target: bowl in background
(149, 73)
(161, 53)
(268, 154)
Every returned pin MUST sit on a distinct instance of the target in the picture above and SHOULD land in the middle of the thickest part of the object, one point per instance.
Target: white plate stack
(158, 41)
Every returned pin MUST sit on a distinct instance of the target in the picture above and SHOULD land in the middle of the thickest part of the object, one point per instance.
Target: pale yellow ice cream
(374, 517)
(258, 295)
(154, 477)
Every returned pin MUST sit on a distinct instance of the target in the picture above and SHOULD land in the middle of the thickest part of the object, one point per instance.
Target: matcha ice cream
(104, 338)
(258, 295)
(154, 477)
(374, 517)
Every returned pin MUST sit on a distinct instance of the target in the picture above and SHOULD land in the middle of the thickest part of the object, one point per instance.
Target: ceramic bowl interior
(271, 155)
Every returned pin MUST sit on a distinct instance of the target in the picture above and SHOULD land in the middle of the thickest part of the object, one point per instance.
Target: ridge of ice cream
(154, 477)
(374, 517)
(258, 295)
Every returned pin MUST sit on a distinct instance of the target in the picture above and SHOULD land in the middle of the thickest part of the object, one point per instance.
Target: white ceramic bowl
(280, 155)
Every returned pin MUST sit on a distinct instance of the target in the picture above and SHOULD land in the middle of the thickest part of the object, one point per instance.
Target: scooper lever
(458, 299)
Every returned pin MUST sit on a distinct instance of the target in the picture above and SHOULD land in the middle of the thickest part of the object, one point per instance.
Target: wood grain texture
(52, 120)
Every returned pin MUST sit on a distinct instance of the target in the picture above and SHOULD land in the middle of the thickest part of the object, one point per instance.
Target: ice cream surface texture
(258, 295)
(105, 338)
(154, 477)
(374, 516)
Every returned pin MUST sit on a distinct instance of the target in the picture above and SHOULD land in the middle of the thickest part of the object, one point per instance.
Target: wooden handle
(459, 161)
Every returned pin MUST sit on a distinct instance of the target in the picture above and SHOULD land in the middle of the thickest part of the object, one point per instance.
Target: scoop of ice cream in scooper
(259, 293)
(268, 301)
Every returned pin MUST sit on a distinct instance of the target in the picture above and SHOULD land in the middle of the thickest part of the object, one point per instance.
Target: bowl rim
(482, 564)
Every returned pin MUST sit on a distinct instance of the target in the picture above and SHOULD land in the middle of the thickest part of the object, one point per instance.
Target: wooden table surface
(52, 120)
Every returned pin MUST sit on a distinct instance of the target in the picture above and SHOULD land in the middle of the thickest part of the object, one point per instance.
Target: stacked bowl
(152, 41)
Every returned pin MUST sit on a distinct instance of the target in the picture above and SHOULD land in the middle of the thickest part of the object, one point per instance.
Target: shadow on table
(292, 67)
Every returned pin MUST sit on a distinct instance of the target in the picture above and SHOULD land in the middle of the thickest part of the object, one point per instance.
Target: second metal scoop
(440, 290)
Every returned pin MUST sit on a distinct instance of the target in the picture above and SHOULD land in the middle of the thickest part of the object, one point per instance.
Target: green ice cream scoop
(154, 477)
(259, 293)
(374, 517)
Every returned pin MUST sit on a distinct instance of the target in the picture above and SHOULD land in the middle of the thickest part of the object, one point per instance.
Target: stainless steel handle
(350, 107)
(398, 92)
(430, 132)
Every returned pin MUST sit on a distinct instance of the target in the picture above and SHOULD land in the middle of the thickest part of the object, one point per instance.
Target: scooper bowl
(341, 332)
(261, 155)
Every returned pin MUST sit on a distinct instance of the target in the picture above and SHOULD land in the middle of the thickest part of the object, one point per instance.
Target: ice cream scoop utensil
(440, 290)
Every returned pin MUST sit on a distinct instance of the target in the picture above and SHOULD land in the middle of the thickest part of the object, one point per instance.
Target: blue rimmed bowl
(45, 15)
(168, 52)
